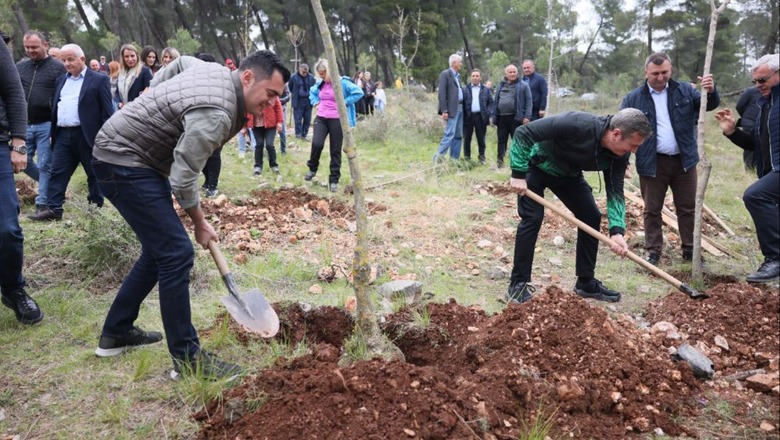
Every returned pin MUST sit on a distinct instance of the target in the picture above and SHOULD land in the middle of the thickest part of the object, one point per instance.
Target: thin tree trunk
(590, 46)
(19, 14)
(83, 15)
(263, 34)
(367, 325)
(468, 54)
(697, 273)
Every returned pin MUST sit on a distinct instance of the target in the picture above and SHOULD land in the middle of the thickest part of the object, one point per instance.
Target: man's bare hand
(726, 121)
(18, 161)
(445, 116)
(620, 247)
(519, 186)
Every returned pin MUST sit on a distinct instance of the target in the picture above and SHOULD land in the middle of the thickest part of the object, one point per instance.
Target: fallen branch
(715, 217)
(378, 185)
(742, 375)
(467, 426)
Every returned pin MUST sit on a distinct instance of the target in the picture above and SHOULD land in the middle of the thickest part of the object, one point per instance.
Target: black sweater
(13, 111)
(38, 78)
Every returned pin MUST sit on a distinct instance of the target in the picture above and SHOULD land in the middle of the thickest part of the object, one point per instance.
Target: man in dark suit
(450, 101)
(82, 103)
(477, 102)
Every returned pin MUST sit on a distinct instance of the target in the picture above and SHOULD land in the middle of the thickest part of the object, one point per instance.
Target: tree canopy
(485, 32)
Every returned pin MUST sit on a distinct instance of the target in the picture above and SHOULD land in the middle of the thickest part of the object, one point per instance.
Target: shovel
(603, 238)
(249, 309)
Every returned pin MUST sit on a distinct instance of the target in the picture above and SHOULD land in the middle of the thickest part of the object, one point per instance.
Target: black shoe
(309, 175)
(768, 272)
(25, 308)
(257, 171)
(46, 215)
(38, 209)
(688, 256)
(653, 257)
(596, 290)
(110, 346)
(211, 192)
(206, 365)
(520, 293)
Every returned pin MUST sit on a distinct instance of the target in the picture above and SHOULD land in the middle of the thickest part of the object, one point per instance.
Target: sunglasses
(764, 79)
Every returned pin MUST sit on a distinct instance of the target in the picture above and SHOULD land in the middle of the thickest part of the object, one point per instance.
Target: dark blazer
(485, 102)
(95, 106)
(448, 93)
(140, 84)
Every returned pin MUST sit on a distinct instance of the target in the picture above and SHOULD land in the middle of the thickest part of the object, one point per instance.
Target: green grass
(53, 386)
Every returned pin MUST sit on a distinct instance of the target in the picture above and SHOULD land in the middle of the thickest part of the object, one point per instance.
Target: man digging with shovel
(552, 153)
(156, 145)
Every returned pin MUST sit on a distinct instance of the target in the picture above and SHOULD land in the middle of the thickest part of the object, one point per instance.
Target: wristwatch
(21, 149)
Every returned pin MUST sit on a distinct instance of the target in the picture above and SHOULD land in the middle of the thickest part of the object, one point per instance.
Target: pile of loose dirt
(25, 190)
(466, 375)
(269, 218)
(744, 316)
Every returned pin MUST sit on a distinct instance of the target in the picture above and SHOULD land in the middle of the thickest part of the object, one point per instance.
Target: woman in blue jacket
(327, 122)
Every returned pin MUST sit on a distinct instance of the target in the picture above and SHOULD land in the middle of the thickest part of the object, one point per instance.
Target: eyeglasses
(764, 79)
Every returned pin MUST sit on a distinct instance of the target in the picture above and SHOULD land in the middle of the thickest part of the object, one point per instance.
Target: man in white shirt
(477, 102)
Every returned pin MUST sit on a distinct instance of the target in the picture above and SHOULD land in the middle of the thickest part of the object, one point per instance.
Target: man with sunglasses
(763, 196)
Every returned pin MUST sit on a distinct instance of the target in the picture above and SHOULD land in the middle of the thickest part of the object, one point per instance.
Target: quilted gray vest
(145, 132)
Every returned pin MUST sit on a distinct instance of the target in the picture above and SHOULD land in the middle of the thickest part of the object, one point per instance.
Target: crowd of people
(145, 127)
(656, 122)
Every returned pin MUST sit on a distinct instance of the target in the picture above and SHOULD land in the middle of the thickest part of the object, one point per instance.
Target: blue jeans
(70, 149)
(242, 141)
(453, 137)
(143, 198)
(39, 141)
(302, 118)
(11, 237)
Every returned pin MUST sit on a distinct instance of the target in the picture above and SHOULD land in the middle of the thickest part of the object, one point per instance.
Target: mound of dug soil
(466, 375)
(737, 328)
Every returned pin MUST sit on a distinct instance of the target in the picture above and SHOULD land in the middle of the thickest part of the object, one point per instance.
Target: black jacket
(38, 78)
(13, 112)
(485, 102)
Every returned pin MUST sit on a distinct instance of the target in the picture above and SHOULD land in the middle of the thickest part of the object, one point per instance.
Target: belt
(69, 126)
(668, 155)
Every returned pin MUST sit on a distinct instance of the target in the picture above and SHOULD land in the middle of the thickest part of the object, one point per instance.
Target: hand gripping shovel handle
(227, 277)
(608, 241)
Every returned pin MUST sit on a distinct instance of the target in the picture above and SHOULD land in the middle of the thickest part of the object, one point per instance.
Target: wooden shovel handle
(216, 254)
(603, 238)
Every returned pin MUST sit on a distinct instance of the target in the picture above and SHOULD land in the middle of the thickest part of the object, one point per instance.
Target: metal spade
(250, 309)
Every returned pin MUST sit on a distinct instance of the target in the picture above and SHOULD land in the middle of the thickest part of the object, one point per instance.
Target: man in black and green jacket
(552, 153)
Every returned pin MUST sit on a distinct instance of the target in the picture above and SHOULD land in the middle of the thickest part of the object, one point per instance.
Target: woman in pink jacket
(265, 130)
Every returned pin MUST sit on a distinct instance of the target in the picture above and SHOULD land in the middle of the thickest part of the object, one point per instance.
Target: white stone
(558, 240)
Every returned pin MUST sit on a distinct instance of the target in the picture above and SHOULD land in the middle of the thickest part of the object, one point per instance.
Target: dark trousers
(265, 141)
(505, 129)
(577, 195)
(761, 200)
(213, 168)
(69, 150)
(322, 128)
(302, 118)
(143, 198)
(669, 174)
(474, 123)
(11, 237)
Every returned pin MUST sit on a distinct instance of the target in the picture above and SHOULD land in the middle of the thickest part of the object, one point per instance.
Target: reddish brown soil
(466, 375)
(746, 316)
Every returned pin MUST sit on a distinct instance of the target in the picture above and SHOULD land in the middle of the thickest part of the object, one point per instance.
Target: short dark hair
(476, 70)
(207, 57)
(657, 58)
(263, 63)
(38, 34)
(4, 36)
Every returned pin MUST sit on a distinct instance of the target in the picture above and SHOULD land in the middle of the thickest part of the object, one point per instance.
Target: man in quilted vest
(156, 145)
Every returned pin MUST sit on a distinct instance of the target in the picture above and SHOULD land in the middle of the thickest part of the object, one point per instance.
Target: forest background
(605, 57)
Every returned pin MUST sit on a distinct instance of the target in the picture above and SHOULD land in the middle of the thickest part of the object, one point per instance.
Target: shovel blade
(260, 317)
